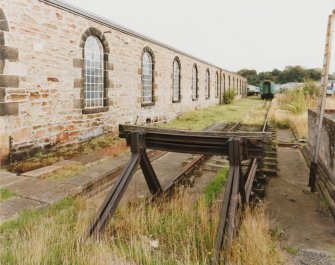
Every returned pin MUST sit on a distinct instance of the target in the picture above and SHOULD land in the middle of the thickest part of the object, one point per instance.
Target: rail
(237, 194)
(246, 145)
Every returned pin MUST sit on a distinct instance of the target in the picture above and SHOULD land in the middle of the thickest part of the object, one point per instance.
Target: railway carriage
(267, 89)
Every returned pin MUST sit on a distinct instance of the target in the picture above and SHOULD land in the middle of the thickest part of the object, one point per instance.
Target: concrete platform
(33, 192)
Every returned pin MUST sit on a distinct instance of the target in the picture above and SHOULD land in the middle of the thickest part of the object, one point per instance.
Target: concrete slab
(10, 208)
(97, 172)
(66, 163)
(41, 172)
(87, 158)
(286, 136)
(58, 193)
(31, 188)
(294, 211)
(6, 179)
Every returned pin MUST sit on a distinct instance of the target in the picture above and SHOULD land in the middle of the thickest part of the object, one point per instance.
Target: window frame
(194, 86)
(151, 79)
(174, 88)
(207, 84)
(91, 81)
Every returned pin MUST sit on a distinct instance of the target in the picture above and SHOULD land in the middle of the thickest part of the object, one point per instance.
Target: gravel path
(310, 257)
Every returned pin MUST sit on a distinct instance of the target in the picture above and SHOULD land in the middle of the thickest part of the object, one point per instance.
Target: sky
(234, 34)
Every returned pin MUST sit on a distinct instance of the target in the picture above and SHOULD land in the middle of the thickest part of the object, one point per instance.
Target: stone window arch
(147, 77)
(207, 85)
(240, 86)
(216, 84)
(176, 91)
(195, 88)
(8, 106)
(95, 67)
(229, 83)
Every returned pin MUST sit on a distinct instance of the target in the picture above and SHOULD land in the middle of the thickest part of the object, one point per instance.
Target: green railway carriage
(267, 89)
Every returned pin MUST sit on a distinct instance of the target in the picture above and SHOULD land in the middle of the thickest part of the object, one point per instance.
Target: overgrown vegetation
(201, 119)
(228, 96)
(106, 144)
(5, 194)
(178, 230)
(215, 187)
(67, 172)
(289, 108)
(254, 244)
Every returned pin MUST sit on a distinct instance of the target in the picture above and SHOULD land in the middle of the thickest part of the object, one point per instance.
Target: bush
(228, 96)
(310, 88)
(294, 101)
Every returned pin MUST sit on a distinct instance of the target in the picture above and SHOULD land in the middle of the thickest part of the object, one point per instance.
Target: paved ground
(36, 193)
(296, 212)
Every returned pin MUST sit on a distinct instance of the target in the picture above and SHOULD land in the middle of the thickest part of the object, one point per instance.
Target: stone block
(15, 68)
(42, 172)
(78, 103)
(2, 94)
(9, 81)
(78, 83)
(79, 63)
(9, 53)
(22, 134)
(52, 79)
(2, 38)
(11, 108)
(4, 25)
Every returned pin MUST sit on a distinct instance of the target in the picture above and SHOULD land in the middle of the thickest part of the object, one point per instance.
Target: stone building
(67, 75)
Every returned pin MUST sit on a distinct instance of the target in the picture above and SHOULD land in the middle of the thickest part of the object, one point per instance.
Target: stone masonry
(41, 77)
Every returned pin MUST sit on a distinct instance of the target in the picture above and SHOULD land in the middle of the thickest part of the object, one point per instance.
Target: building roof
(106, 22)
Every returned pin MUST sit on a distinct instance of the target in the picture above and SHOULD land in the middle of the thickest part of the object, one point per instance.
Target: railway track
(246, 179)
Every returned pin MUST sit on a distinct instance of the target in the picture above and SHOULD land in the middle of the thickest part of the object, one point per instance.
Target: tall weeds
(254, 244)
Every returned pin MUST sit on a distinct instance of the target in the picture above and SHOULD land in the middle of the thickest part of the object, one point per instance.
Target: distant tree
(292, 74)
(289, 74)
(251, 76)
(314, 74)
(265, 76)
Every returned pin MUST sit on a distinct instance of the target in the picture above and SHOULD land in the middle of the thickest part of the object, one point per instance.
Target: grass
(67, 172)
(254, 244)
(291, 250)
(183, 228)
(58, 153)
(215, 187)
(289, 109)
(201, 119)
(5, 194)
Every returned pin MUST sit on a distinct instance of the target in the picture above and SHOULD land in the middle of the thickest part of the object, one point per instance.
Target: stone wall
(326, 177)
(41, 77)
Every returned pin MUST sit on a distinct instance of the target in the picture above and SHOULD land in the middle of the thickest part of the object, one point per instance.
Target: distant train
(267, 89)
(330, 88)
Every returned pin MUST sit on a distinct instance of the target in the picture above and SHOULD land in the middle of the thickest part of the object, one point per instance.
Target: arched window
(240, 86)
(229, 83)
(207, 85)
(147, 78)
(195, 94)
(176, 81)
(216, 84)
(94, 72)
